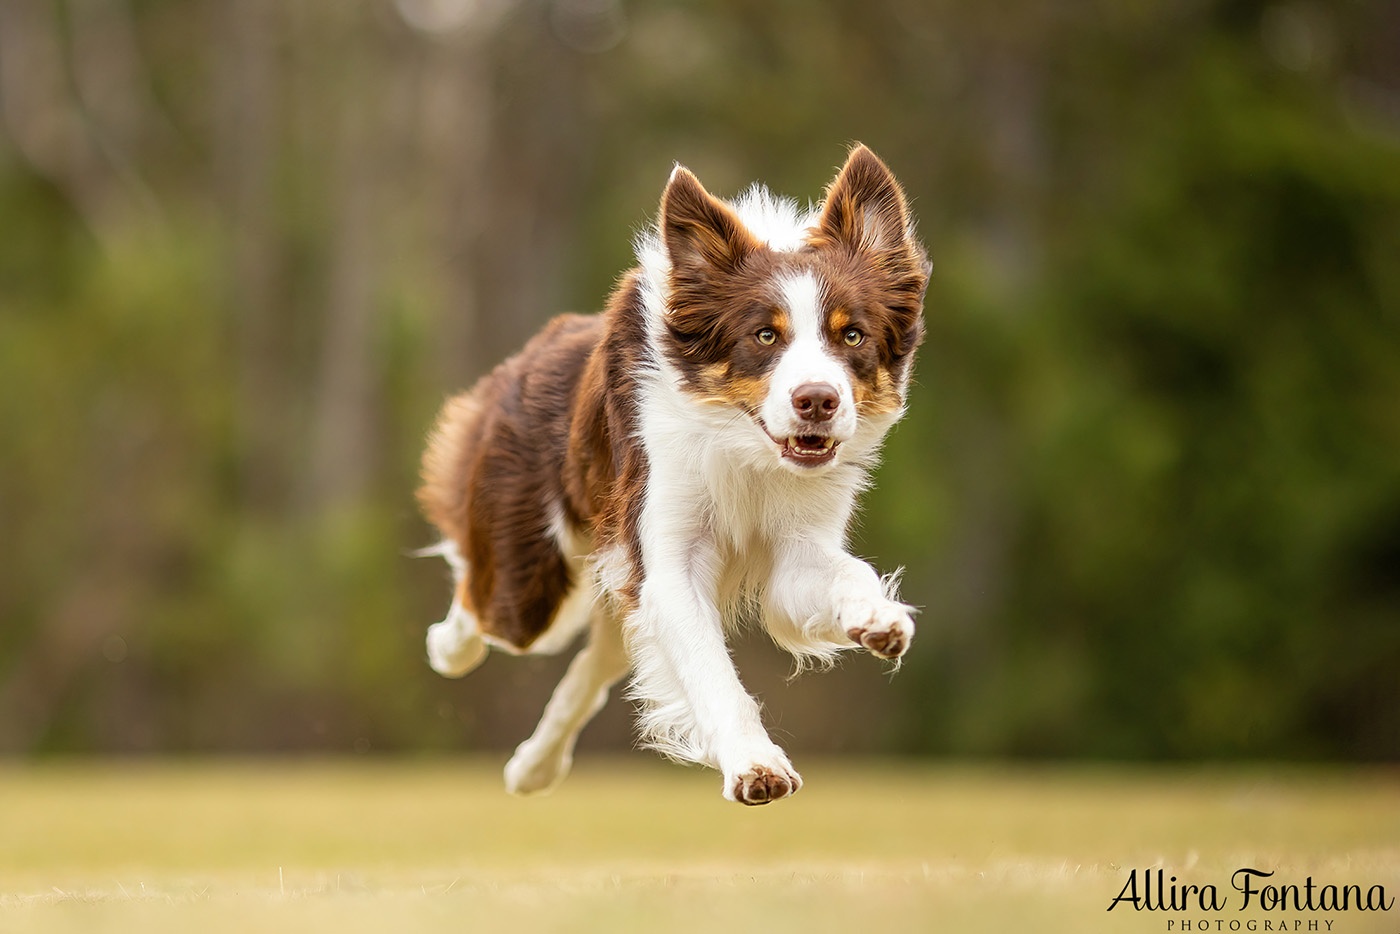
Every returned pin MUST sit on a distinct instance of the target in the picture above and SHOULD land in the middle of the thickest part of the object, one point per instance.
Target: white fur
(807, 359)
(774, 220)
(455, 645)
(728, 525)
(728, 529)
(725, 527)
(543, 760)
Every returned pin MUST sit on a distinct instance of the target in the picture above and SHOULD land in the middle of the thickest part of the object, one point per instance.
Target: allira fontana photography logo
(1271, 904)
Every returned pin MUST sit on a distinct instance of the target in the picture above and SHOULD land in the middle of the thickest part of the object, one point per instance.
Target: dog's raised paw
(762, 784)
(883, 629)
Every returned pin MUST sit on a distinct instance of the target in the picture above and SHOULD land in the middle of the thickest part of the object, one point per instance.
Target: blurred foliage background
(1148, 492)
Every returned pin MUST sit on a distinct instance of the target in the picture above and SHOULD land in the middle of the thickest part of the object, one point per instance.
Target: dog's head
(806, 325)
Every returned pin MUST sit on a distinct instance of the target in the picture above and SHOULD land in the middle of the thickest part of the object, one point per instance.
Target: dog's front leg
(695, 707)
(831, 597)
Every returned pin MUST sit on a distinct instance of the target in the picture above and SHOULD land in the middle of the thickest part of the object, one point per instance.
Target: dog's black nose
(815, 402)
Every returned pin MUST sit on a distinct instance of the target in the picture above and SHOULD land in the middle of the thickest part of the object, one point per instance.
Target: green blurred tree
(1147, 489)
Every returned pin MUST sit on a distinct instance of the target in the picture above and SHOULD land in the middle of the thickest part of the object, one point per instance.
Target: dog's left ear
(865, 207)
(865, 212)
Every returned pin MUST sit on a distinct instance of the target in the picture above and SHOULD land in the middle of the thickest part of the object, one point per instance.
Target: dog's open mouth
(810, 450)
(806, 450)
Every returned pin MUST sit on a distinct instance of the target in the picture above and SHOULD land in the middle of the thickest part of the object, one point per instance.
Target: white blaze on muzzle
(805, 370)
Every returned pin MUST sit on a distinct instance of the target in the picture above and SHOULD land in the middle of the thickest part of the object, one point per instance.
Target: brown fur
(540, 429)
(724, 287)
(553, 428)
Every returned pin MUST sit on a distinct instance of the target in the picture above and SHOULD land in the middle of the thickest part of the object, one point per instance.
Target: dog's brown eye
(767, 336)
(852, 337)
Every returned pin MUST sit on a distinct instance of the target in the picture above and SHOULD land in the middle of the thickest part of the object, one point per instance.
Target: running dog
(687, 460)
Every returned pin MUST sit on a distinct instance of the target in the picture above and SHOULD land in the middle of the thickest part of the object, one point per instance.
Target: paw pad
(760, 785)
(889, 643)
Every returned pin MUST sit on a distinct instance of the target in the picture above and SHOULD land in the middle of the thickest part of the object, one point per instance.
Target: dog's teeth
(812, 444)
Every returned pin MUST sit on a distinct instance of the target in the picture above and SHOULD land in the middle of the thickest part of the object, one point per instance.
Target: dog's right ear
(698, 228)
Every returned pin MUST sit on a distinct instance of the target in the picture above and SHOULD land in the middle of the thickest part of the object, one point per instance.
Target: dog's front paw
(882, 627)
(762, 782)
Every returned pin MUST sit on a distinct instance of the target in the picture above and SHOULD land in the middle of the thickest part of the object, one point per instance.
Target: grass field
(635, 845)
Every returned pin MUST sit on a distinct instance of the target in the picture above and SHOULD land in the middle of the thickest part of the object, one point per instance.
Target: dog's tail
(446, 468)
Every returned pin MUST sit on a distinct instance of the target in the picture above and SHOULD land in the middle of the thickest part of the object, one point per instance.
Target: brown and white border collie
(686, 461)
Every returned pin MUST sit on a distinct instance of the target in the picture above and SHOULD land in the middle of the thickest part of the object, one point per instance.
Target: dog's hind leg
(543, 760)
(455, 645)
